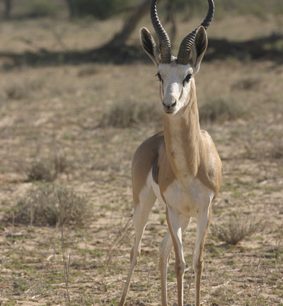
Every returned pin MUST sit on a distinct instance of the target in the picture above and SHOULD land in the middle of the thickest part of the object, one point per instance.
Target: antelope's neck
(182, 140)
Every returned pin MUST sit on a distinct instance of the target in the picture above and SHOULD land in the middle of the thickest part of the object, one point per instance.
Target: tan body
(183, 152)
(182, 169)
(180, 166)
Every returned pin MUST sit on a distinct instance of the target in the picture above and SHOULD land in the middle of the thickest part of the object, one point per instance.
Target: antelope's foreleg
(165, 249)
(175, 222)
(202, 225)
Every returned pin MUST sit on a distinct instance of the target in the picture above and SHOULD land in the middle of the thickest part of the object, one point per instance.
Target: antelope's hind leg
(140, 217)
(176, 224)
(165, 249)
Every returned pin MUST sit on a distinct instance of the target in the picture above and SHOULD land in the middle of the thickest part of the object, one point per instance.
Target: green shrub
(258, 8)
(100, 9)
(192, 5)
(40, 8)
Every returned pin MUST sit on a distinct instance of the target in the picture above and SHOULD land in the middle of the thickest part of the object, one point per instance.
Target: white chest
(188, 199)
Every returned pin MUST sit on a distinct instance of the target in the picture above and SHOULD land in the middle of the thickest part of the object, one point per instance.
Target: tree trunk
(7, 8)
(130, 24)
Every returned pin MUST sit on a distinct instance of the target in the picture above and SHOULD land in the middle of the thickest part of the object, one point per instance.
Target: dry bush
(220, 110)
(41, 171)
(276, 151)
(130, 114)
(247, 84)
(60, 163)
(47, 170)
(87, 71)
(16, 91)
(19, 90)
(236, 229)
(50, 205)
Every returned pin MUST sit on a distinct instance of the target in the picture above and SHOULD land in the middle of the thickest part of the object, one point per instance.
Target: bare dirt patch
(45, 110)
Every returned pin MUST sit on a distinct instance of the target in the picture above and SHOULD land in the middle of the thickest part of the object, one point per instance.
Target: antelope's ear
(149, 45)
(199, 48)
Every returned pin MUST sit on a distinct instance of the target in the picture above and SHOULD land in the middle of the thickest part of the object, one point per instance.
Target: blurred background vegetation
(77, 98)
(103, 9)
(130, 12)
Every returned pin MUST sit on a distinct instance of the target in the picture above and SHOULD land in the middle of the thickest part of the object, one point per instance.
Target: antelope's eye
(187, 79)
(159, 76)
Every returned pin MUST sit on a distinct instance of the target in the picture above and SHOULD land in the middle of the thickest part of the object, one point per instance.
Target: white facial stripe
(173, 87)
(172, 90)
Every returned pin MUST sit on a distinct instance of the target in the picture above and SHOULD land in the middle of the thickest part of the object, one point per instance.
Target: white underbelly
(187, 200)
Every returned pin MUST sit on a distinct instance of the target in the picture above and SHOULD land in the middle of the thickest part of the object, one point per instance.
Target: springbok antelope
(179, 166)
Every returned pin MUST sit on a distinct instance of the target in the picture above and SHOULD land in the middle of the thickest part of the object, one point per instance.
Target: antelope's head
(176, 73)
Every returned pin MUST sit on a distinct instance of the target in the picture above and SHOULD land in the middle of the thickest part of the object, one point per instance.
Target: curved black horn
(188, 41)
(164, 40)
(211, 10)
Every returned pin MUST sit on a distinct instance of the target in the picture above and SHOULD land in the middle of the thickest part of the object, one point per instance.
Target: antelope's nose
(169, 107)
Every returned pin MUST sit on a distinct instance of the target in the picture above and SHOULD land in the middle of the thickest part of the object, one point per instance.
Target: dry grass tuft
(20, 90)
(50, 205)
(41, 171)
(47, 170)
(276, 151)
(236, 229)
(247, 84)
(16, 91)
(220, 110)
(87, 71)
(129, 114)
(60, 163)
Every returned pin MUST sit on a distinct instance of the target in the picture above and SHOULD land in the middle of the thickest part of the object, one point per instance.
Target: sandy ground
(49, 110)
